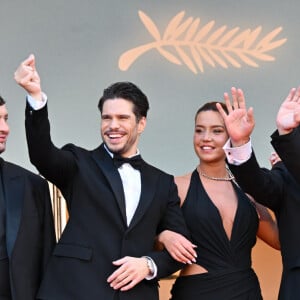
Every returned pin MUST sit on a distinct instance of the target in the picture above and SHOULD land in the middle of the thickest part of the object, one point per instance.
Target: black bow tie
(135, 161)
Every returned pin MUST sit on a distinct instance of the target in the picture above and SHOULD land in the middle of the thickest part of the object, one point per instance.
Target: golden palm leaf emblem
(184, 42)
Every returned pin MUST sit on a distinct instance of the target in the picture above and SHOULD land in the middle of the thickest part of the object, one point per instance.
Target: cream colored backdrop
(81, 46)
(181, 53)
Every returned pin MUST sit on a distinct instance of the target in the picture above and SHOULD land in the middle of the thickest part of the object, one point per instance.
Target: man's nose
(4, 126)
(114, 123)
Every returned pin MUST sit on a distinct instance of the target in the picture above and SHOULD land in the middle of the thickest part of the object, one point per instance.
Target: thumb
(250, 115)
(221, 110)
(30, 61)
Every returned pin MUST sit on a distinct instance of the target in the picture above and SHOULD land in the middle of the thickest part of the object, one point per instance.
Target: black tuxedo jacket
(288, 148)
(30, 234)
(278, 190)
(97, 233)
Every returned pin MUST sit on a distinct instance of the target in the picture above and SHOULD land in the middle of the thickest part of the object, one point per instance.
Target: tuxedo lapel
(149, 182)
(14, 195)
(105, 163)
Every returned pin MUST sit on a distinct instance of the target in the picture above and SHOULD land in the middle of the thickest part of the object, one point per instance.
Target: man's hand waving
(288, 116)
(27, 77)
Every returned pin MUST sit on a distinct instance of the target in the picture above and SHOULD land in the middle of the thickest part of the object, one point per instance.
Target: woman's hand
(179, 247)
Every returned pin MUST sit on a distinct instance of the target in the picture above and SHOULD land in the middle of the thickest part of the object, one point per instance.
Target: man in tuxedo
(116, 208)
(26, 225)
(278, 188)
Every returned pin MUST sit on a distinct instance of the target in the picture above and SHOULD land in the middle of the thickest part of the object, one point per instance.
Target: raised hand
(239, 121)
(27, 77)
(288, 116)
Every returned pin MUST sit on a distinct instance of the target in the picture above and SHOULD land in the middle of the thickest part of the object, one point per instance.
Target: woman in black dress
(223, 222)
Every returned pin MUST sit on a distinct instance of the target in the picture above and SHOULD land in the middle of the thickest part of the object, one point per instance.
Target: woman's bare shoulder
(183, 183)
(183, 179)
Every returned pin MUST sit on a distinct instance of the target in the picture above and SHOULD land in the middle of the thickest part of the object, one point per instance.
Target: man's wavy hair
(128, 91)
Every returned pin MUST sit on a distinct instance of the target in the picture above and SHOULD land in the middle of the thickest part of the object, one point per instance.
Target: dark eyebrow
(119, 116)
(214, 126)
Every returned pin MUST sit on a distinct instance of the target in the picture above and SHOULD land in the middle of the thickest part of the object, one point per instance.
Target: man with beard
(117, 202)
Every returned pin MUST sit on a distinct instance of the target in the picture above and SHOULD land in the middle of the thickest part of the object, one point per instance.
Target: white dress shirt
(131, 180)
(237, 155)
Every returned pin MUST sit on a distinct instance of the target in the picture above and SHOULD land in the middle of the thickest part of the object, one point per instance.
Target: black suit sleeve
(266, 186)
(288, 148)
(53, 163)
(172, 220)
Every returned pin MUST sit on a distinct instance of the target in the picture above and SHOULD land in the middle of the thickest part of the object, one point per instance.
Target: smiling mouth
(114, 135)
(207, 148)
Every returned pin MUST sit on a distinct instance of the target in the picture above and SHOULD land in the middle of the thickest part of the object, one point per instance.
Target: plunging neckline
(229, 239)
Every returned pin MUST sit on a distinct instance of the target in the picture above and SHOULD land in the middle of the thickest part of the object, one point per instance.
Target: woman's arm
(267, 228)
(179, 247)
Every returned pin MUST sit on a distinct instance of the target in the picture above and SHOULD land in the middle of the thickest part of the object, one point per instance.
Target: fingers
(130, 272)
(120, 279)
(297, 116)
(183, 250)
(25, 71)
(274, 158)
(291, 94)
(296, 95)
(179, 247)
(241, 99)
(23, 78)
(29, 62)
(238, 100)
(228, 103)
(130, 285)
(27, 77)
(26, 68)
(221, 110)
(186, 255)
(250, 116)
(234, 96)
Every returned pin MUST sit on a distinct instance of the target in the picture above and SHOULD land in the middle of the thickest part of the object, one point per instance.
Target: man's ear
(142, 124)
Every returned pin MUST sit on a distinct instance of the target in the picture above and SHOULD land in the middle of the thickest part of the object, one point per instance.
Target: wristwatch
(150, 264)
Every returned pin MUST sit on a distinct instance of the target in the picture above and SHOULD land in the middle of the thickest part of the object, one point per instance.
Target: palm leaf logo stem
(184, 42)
